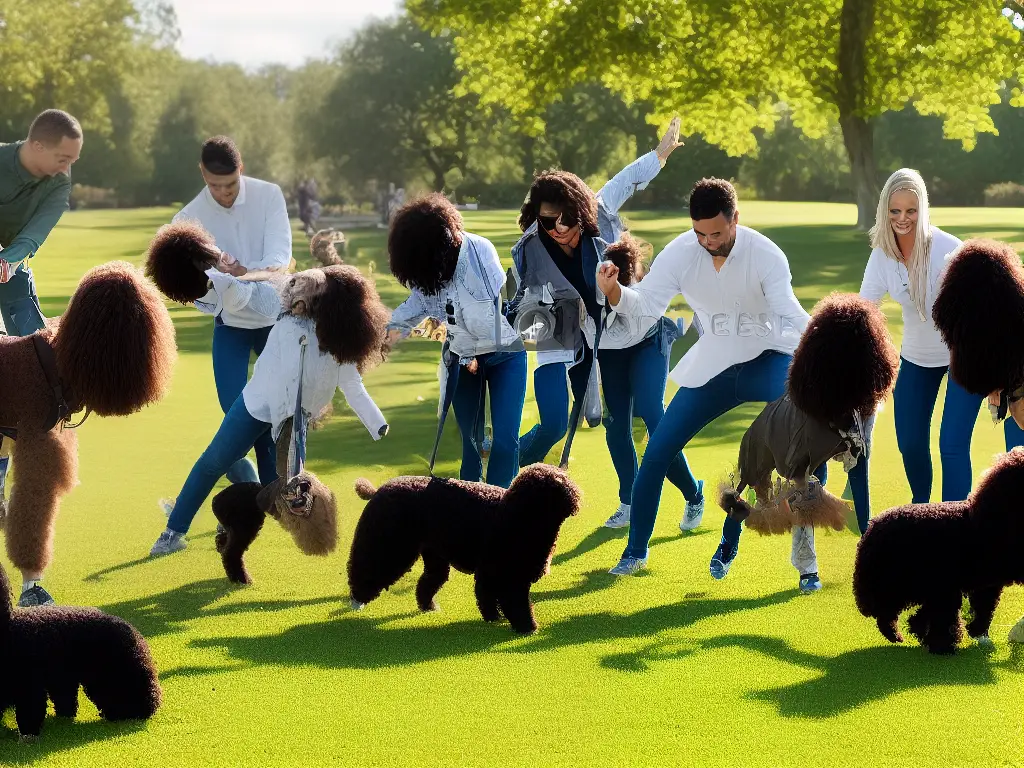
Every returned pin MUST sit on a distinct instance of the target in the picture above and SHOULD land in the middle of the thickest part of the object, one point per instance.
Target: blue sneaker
(722, 560)
(694, 512)
(810, 583)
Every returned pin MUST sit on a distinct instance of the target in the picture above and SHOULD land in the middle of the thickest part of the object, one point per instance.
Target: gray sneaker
(620, 519)
(628, 566)
(34, 597)
(167, 543)
(694, 512)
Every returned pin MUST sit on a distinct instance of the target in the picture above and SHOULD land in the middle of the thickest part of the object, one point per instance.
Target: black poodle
(505, 537)
(932, 555)
(52, 651)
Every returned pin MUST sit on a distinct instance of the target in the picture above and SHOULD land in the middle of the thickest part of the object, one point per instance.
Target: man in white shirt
(248, 219)
(739, 286)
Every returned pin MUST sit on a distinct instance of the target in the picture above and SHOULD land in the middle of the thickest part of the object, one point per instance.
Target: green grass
(670, 668)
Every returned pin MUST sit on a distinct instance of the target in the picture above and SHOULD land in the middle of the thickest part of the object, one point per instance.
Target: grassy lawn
(670, 668)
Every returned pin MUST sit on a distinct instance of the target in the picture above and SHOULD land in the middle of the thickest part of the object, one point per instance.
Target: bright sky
(255, 32)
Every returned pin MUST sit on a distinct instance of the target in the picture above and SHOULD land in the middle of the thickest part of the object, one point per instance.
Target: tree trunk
(859, 138)
(856, 22)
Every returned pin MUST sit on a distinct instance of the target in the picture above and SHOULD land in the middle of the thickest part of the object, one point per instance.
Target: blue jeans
(237, 434)
(633, 382)
(231, 350)
(19, 305)
(552, 396)
(916, 391)
(504, 374)
(762, 379)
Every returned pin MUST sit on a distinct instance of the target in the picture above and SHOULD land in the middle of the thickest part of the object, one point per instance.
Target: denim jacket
(620, 332)
(466, 303)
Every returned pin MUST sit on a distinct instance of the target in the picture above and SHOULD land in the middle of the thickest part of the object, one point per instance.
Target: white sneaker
(620, 519)
(694, 512)
(167, 543)
(628, 566)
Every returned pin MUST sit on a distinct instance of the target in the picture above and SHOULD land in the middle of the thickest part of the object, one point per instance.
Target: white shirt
(256, 231)
(922, 344)
(743, 310)
(271, 392)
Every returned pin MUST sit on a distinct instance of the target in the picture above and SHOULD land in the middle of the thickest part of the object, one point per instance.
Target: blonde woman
(907, 261)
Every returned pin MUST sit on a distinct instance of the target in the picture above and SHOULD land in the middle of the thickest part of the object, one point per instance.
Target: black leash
(579, 402)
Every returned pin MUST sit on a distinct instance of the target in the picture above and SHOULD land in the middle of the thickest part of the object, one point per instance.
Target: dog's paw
(356, 605)
(432, 608)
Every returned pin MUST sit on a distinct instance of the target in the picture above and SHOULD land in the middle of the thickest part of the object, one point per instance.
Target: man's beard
(723, 250)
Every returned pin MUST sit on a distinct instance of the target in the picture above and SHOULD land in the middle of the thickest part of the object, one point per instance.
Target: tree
(727, 66)
(391, 114)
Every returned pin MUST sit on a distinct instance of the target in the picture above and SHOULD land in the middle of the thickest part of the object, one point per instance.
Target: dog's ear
(979, 312)
(350, 318)
(845, 361)
(115, 342)
(178, 258)
(541, 488)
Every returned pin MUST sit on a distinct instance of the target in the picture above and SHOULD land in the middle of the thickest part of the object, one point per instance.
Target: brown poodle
(505, 537)
(843, 367)
(303, 506)
(111, 353)
(324, 246)
(932, 555)
(53, 651)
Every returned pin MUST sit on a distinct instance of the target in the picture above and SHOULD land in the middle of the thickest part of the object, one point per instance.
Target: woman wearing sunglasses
(456, 277)
(907, 261)
(566, 228)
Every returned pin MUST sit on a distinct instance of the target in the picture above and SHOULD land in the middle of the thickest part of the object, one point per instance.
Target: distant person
(309, 205)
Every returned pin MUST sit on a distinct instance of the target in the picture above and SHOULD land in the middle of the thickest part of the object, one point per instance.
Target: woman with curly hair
(331, 331)
(907, 262)
(559, 211)
(456, 276)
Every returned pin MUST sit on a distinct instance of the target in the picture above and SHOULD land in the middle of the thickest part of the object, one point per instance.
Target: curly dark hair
(845, 361)
(424, 241)
(178, 258)
(115, 341)
(979, 312)
(566, 190)
(350, 318)
(628, 254)
(710, 197)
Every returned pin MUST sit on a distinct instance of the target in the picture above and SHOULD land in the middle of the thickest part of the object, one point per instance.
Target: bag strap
(578, 402)
(449, 394)
(48, 362)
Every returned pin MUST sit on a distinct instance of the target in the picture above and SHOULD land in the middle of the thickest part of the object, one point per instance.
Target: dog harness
(60, 412)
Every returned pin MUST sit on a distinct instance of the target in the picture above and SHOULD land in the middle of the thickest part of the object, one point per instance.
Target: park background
(664, 669)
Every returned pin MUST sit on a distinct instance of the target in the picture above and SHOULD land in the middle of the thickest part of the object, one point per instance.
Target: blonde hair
(883, 238)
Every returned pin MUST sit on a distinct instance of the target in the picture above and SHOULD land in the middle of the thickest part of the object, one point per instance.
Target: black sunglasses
(549, 222)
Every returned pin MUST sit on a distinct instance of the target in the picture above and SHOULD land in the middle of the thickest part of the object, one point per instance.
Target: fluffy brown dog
(932, 555)
(843, 367)
(111, 353)
(505, 538)
(323, 246)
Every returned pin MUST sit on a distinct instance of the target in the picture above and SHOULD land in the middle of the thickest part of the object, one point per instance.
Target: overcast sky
(255, 32)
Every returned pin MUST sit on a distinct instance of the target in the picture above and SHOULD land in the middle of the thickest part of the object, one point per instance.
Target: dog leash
(451, 380)
(296, 493)
(579, 402)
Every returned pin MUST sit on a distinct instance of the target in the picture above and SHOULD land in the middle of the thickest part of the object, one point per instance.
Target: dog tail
(365, 489)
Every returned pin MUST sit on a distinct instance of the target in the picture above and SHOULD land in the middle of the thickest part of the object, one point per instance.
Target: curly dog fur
(241, 509)
(505, 538)
(178, 258)
(52, 651)
(979, 312)
(931, 555)
(845, 363)
(323, 246)
(115, 352)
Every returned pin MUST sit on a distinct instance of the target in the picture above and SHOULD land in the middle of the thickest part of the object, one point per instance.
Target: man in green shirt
(35, 185)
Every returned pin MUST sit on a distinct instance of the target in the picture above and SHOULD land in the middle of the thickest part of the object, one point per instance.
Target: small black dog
(51, 651)
(505, 538)
(932, 555)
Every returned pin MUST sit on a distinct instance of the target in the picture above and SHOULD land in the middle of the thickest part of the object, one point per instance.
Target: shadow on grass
(361, 641)
(60, 735)
(126, 566)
